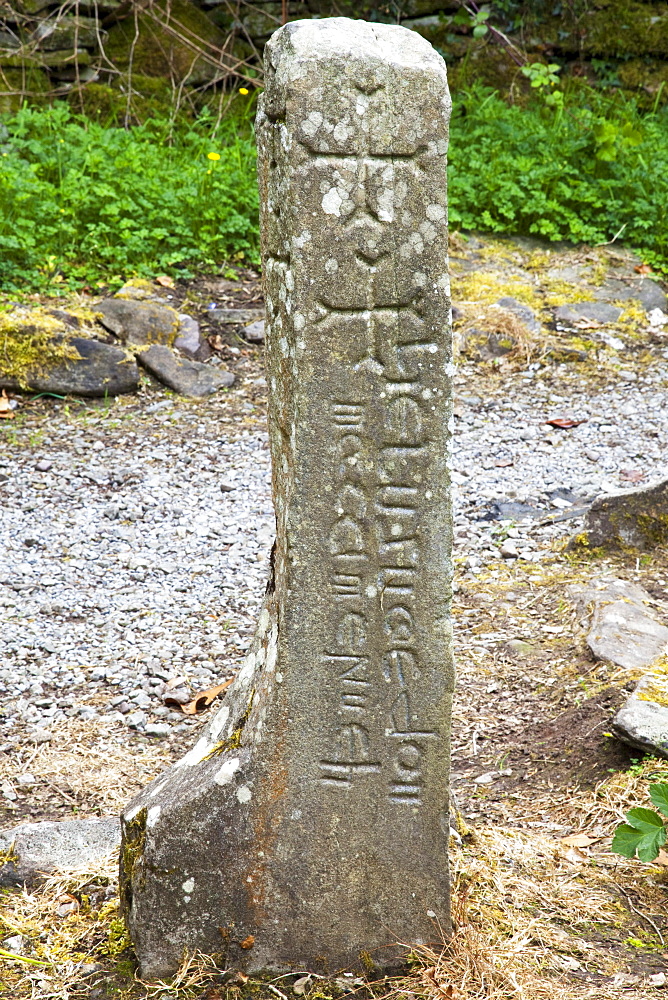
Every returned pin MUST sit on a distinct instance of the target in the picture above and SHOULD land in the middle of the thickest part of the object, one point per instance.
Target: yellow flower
(243, 90)
(213, 156)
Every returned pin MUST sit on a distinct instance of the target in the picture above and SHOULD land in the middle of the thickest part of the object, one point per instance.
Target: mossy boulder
(630, 519)
(149, 97)
(42, 353)
(20, 85)
(166, 41)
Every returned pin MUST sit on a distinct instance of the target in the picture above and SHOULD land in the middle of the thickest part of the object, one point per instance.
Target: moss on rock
(164, 42)
(32, 342)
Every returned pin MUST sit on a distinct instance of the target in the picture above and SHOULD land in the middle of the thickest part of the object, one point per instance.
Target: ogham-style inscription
(313, 813)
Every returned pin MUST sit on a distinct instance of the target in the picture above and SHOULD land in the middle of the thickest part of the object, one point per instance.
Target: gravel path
(135, 535)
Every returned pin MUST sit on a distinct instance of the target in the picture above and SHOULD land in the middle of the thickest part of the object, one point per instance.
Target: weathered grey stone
(643, 719)
(138, 323)
(38, 849)
(647, 292)
(100, 370)
(311, 818)
(635, 518)
(623, 629)
(600, 312)
(189, 339)
(254, 332)
(239, 317)
(68, 32)
(189, 378)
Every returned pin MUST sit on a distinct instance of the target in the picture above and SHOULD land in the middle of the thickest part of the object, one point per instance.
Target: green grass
(81, 203)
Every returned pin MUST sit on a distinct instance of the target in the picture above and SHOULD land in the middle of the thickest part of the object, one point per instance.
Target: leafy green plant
(527, 170)
(474, 19)
(81, 202)
(644, 833)
(542, 74)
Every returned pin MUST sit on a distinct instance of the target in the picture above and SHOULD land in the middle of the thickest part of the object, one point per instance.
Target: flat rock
(189, 340)
(189, 378)
(647, 292)
(100, 370)
(636, 518)
(600, 312)
(38, 849)
(140, 322)
(239, 317)
(624, 629)
(643, 720)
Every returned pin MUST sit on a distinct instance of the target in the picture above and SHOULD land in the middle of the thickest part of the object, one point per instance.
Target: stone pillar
(309, 825)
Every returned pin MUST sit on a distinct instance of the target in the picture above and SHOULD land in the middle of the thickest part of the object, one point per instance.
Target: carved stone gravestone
(309, 824)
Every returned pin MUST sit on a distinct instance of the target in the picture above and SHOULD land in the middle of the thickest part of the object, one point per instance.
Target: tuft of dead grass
(87, 766)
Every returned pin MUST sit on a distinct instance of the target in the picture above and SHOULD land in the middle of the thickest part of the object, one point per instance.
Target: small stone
(519, 647)
(41, 736)
(189, 339)
(15, 944)
(43, 465)
(238, 317)
(600, 312)
(254, 332)
(509, 549)
(658, 979)
(136, 720)
(157, 729)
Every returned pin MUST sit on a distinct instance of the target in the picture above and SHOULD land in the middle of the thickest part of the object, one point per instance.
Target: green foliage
(542, 74)
(581, 172)
(81, 202)
(644, 833)
(474, 19)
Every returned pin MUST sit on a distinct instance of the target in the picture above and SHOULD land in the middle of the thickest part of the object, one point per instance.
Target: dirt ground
(541, 906)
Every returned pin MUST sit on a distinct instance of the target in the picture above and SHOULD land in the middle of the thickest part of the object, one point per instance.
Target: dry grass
(86, 765)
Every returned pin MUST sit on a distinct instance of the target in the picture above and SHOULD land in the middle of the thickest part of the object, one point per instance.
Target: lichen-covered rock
(36, 850)
(137, 323)
(93, 369)
(643, 719)
(636, 518)
(42, 353)
(309, 824)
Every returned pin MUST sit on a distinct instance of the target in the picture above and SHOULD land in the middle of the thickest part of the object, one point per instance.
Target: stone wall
(133, 58)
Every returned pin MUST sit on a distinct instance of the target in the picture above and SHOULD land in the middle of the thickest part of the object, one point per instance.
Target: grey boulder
(636, 518)
(623, 629)
(36, 850)
(642, 721)
(100, 370)
(138, 323)
(189, 378)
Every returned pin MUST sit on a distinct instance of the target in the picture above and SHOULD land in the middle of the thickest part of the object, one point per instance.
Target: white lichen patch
(153, 816)
(244, 794)
(196, 755)
(188, 885)
(226, 771)
(218, 723)
(332, 201)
